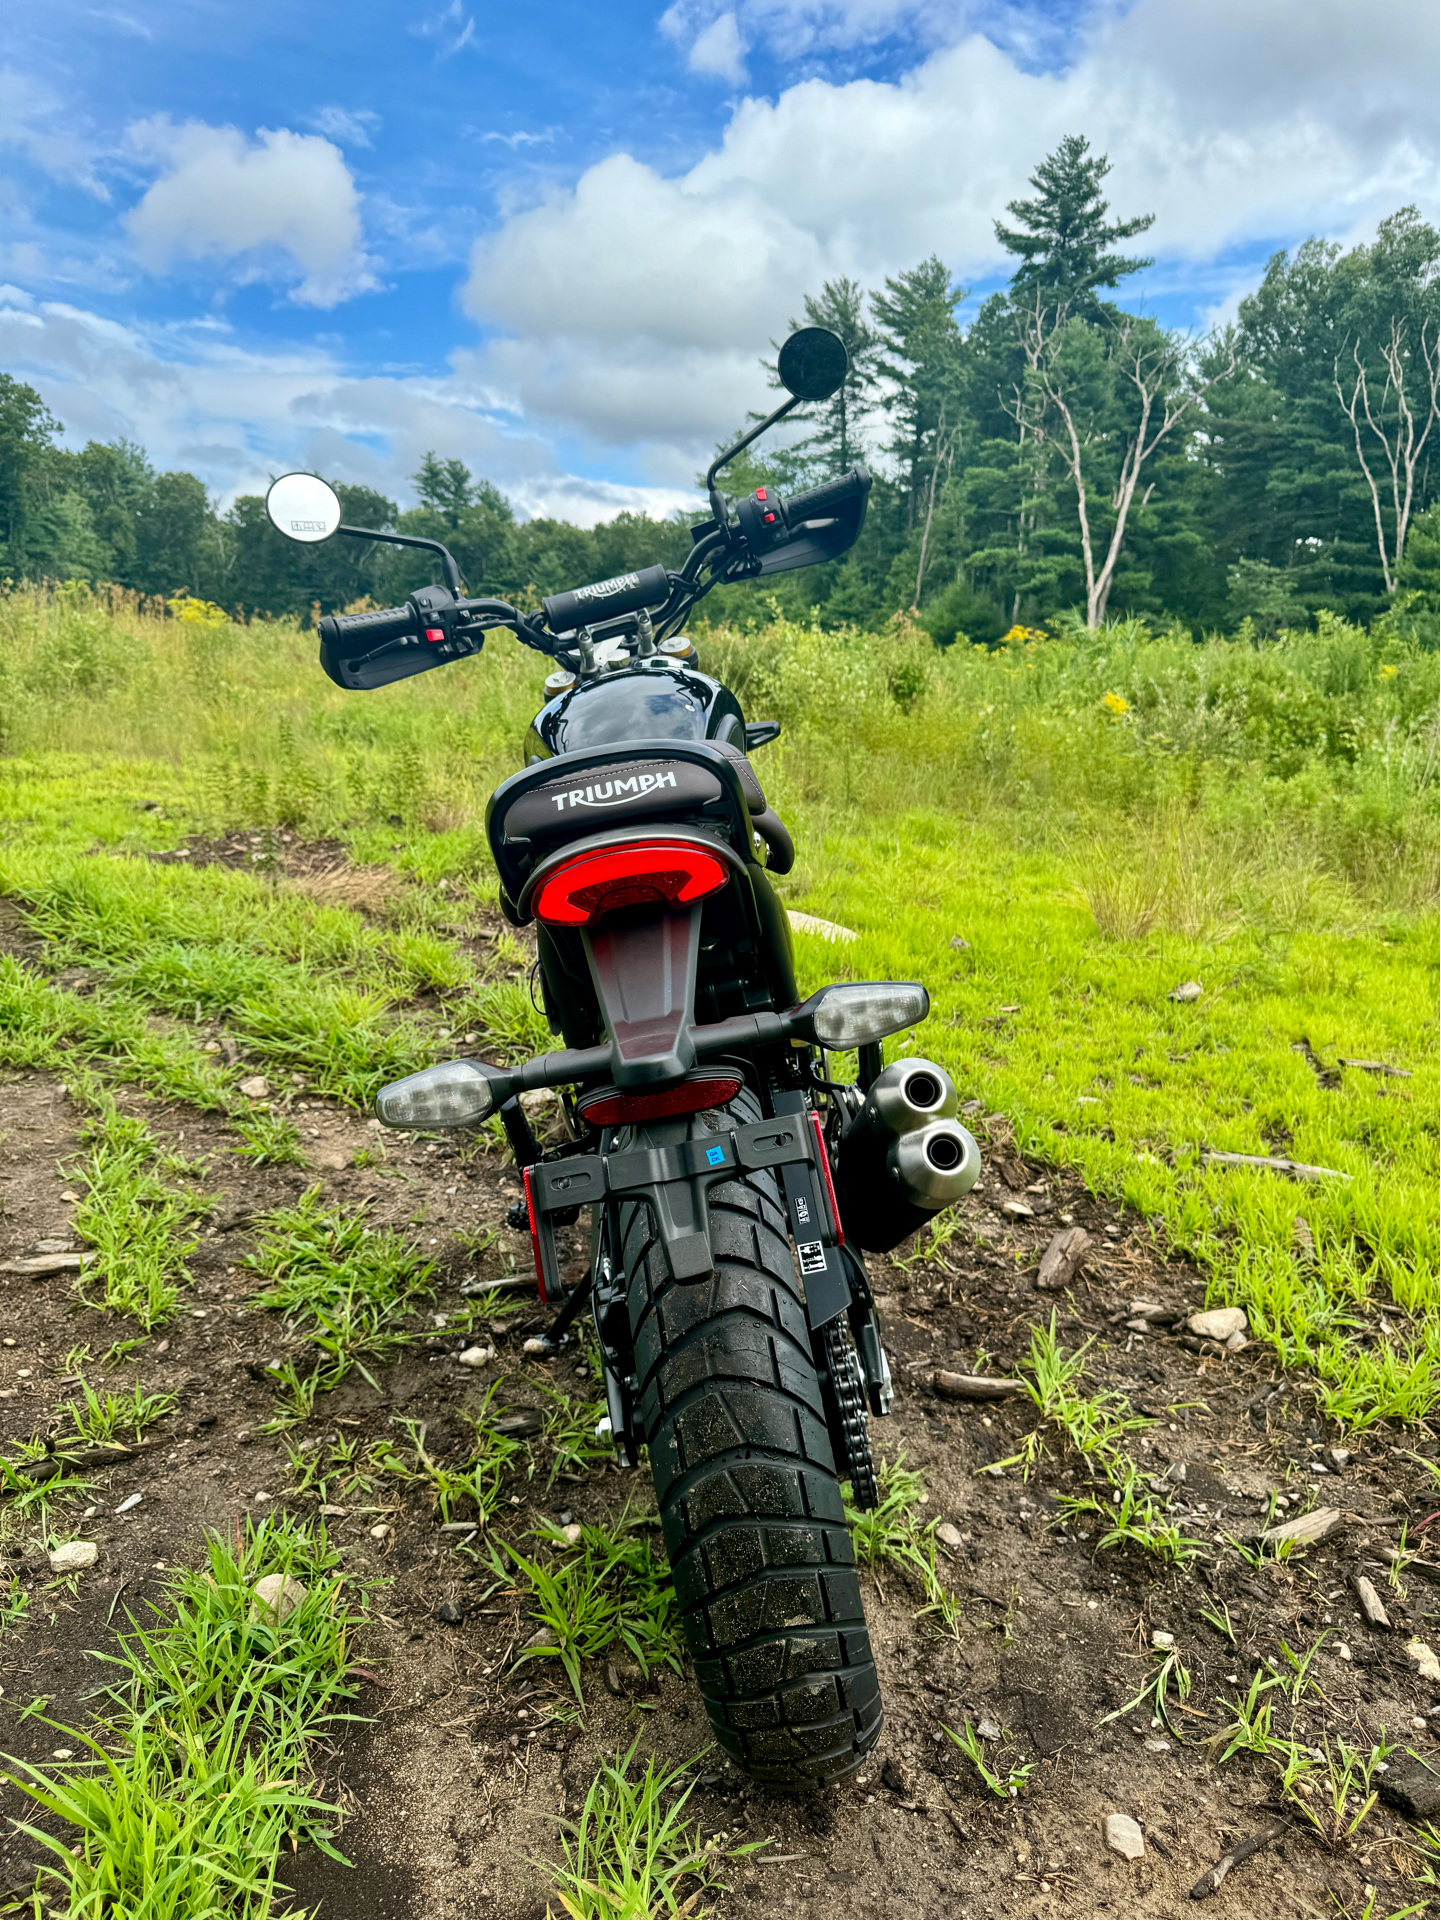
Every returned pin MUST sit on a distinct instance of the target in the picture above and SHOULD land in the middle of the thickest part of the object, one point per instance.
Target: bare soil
(453, 1785)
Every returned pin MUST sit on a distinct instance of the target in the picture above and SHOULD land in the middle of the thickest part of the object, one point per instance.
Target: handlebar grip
(817, 502)
(357, 631)
(606, 599)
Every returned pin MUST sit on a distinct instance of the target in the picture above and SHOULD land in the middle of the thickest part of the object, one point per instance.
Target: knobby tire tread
(731, 1409)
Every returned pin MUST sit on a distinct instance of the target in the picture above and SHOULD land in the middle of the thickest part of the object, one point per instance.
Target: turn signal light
(643, 873)
(620, 1110)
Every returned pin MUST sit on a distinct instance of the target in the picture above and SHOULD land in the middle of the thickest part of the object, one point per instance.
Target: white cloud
(631, 307)
(41, 126)
(719, 51)
(452, 29)
(195, 399)
(351, 127)
(222, 196)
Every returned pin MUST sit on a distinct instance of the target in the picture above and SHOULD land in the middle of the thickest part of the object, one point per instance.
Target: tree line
(1058, 451)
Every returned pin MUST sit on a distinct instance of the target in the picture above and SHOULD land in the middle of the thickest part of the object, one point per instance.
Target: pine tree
(1063, 251)
(919, 353)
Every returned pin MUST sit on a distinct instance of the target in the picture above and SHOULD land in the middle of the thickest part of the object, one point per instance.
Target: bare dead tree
(1161, 368)
(1402, 445)
(944, 457)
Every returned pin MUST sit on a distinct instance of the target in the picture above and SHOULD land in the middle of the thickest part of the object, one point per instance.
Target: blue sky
(553, 238)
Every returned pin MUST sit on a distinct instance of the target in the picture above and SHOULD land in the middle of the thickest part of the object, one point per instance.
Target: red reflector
(830, 1186)
(641, 874)
(435, 633)
(534, 1236)
(618, 1110)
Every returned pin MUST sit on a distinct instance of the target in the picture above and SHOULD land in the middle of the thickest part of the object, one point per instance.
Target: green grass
(1258, 818)
(140, 1229)
(1005, 1786)
(349, 1290)
(101, 1418)
(197, 1770)
(612, 1588)
(631, 1850)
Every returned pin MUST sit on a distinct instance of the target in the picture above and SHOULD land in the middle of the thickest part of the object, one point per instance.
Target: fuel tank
(649, 700)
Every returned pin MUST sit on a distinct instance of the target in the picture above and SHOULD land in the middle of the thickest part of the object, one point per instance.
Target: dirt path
(453, 1787)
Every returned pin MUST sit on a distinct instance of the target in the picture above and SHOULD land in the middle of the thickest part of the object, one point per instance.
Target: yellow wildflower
(1388, 672)
(1117, 704)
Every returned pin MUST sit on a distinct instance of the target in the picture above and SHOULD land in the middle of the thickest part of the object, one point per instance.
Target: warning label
(812, 1257)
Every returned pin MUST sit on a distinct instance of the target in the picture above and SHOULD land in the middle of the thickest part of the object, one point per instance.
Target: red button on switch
(435, 633)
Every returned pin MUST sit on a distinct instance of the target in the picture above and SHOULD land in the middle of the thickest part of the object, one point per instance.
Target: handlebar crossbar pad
(606, 599)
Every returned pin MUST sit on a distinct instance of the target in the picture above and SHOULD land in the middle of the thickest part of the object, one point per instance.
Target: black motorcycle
(729, 1182)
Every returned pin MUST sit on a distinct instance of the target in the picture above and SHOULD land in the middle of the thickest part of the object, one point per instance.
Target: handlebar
(375, 628)
(816, 502)
(606, 599)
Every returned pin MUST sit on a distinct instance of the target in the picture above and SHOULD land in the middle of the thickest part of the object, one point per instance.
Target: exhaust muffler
(904, 1157)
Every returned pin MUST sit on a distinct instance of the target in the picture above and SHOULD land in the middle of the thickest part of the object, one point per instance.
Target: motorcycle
(731, 1184)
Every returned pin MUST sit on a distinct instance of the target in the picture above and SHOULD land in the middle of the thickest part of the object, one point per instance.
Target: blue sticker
(715, 1155)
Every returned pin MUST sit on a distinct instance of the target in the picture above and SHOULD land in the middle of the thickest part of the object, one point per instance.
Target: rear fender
(643, 968)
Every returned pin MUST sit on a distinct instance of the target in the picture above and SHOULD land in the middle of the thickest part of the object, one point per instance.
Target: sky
(553, 239)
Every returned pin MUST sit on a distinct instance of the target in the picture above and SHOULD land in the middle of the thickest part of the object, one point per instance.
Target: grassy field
(1054, 836)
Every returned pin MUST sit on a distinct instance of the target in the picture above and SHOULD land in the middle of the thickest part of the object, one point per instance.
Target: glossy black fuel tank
(656, 701)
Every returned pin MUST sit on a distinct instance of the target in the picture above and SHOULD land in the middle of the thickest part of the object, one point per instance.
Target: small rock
(1412, 1790)
(1187, 991)
(572, 1534)
(255, 1088)
(332, 1161)
(948, 1534)
(1218, 1323)
(544, 1637)
(1158, 1747)
(277, 1595)
(894, 1776)
(73, 1556)
(988, 1729)
(1017, 1211)
(1425, 1659)
(69, 1194)
(476, 1357)
(537, 1346)
(1123, 1835)
(37, 1266)
(130, 1501)
(62, 1754)
(1160, 1639)
(1063, 1259)
(449, 1615)
(379, 1531)
(1235, 1342)
(612, 1679)
(1336, 1458)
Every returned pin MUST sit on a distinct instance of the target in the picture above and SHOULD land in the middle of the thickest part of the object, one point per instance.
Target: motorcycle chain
(854, 1462)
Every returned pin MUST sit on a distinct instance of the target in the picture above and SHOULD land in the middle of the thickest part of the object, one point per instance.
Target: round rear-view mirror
(812, 363)
(303, 507)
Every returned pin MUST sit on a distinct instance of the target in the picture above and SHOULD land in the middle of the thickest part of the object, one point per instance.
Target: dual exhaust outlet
(904, 1157)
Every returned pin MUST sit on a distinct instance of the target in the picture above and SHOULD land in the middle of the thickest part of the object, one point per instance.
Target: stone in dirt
(1187, 991)
(894, 1776)
(37, 1266)
(1063, 1259)
(1314, 1526)
(545, 1637)
(1017, 1211)
(255, 1088)
(449, 1615)
(948, 1534)
(1425, 1659)
(1412, 1790)
(1123, 1836)
(988, 1729)
(1218, 1323)
(73, 1556)
(277, 1595)
(476, 1357)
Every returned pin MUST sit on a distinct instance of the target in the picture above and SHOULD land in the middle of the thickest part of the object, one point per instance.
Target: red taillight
(643, 873)
(619, 1110)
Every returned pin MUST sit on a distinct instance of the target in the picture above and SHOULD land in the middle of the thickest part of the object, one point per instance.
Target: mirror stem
(447, 559)
(717, 503)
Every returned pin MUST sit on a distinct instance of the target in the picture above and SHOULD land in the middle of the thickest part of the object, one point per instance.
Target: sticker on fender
(812, 1257)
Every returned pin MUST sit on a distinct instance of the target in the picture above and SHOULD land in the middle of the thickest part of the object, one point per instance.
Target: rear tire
(730, 1406)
